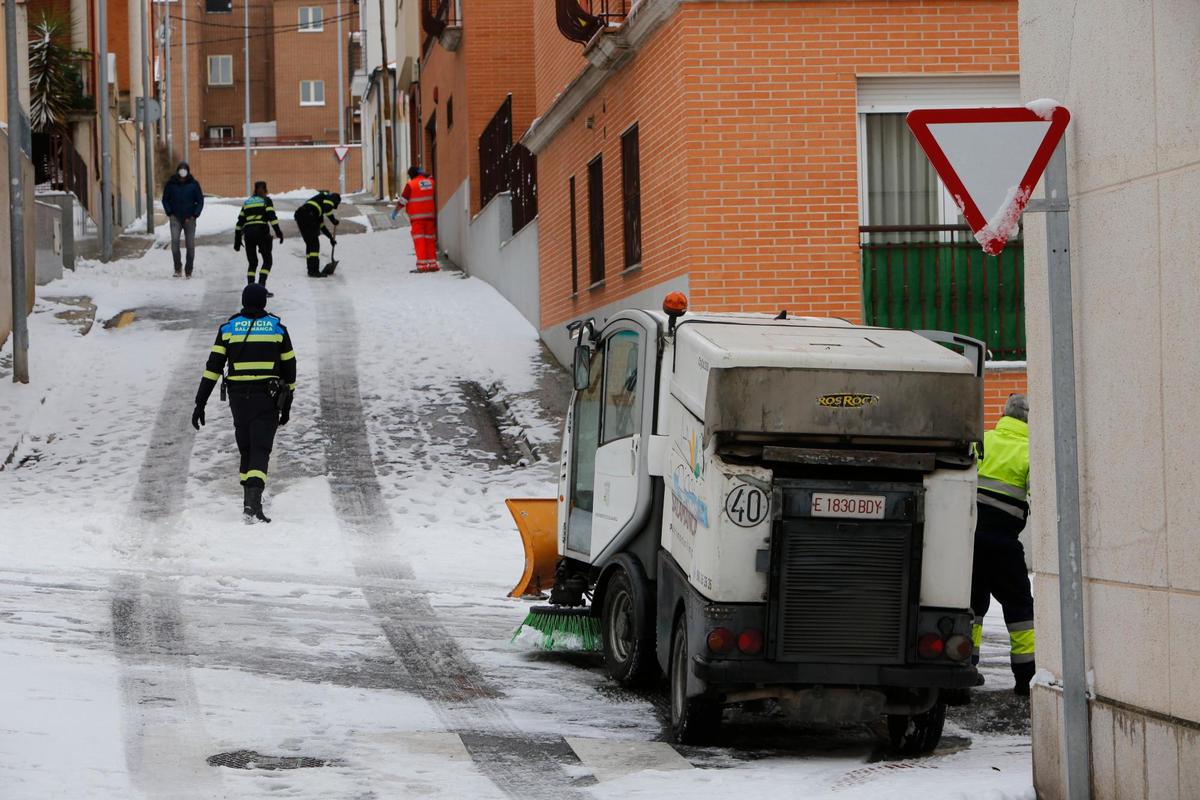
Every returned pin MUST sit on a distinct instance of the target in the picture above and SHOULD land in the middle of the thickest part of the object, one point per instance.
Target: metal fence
(580, 20)
(522, 180)
(436, 16)
(266, 141)
(494, 145)
(58, 167)
(936, 276)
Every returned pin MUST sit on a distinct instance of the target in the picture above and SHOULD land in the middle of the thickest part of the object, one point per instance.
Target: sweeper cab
(767, 509)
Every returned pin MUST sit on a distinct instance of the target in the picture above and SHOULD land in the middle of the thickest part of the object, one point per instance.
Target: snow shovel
(332, 265)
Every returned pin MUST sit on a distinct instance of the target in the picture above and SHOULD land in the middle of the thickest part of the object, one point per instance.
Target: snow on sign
(340, 151)
(990, 159)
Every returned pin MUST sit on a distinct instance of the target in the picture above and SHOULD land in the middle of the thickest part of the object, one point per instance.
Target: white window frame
(947, 209)
(306, 25)
(313, 84)
(218, 60)
(220, 129)
(991, 89)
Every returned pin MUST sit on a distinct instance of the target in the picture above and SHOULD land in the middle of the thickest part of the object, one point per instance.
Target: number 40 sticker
(746, 506)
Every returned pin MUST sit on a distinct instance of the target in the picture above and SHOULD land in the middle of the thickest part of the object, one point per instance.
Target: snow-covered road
(151, 645)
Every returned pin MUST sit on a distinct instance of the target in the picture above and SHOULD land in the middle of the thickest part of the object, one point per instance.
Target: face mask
(183, 173)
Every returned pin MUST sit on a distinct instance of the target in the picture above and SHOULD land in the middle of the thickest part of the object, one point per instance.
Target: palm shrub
(55, 83)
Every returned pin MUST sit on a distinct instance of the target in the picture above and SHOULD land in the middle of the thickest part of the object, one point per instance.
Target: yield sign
(340, 151)
(990, 159)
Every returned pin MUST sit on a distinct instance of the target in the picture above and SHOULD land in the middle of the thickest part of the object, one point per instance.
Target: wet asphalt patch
(250, 759)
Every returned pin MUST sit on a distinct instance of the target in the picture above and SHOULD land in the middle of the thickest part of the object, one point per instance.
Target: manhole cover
(249, 759)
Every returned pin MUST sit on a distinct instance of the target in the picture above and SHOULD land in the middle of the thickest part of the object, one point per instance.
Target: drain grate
(249, 759)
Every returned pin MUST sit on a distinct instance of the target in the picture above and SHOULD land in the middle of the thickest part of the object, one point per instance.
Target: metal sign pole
(341, 102)
(246, 81)
(106, 215)
(168, 106)
(187, 136)
(1066, 471)
(16, 202)
(147, 144)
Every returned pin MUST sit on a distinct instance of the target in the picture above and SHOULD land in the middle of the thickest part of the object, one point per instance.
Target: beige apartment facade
(1128, 71)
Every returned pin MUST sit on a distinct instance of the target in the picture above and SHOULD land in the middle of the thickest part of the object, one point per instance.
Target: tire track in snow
(164, 735)
(519, 765)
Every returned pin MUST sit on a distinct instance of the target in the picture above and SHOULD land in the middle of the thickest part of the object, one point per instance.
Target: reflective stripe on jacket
(417, 198)
(256, 346)
(257, 210)
(1004, 470)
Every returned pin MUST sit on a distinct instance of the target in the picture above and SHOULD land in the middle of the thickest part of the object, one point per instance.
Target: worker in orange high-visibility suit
(417, 201)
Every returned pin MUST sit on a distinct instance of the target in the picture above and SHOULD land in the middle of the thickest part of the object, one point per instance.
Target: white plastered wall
(1128, 71)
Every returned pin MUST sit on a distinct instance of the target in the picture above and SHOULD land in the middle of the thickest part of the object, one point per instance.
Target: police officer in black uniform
(257, 213)
(310, 218)
(260, 380)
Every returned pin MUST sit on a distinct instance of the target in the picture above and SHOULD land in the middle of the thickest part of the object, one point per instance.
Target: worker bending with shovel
(310, 219)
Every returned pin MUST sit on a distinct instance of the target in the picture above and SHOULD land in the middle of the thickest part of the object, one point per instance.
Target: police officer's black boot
(1023, 674)
(252, 510)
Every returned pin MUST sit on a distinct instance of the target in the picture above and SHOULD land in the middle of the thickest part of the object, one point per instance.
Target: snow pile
(1043, 107)
(303, 193)
(216, 218)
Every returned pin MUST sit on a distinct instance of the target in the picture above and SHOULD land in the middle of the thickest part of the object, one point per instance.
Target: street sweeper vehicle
(766, 509)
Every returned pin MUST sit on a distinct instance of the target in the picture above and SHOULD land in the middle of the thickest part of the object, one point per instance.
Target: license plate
(856, 506)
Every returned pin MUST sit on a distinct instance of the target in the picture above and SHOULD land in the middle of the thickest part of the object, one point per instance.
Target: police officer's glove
(279, 234)
(237, 243)
(198, 417)
(285, 407)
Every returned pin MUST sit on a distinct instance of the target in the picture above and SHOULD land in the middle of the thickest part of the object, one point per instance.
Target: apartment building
(295, 113)
(68, 159)
(752, 154)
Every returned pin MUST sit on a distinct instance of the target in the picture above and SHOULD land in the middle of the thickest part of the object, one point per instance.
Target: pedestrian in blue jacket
(183, 200)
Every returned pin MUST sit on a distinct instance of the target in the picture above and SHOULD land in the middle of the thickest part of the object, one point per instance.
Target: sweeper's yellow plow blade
(537, 519)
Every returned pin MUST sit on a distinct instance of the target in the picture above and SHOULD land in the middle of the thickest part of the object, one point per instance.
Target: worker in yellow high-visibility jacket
(1003, 505)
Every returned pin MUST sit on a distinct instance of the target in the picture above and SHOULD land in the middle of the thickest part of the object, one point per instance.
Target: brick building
(293, 87)
(752, 154)
(476, 97)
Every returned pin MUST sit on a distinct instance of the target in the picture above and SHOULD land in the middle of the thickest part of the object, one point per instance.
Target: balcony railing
(507, 167)
(580, 20)
(58, 166)
(494, 145)
(266, 141)
(936, 276)
(522, 182)
(441, 19)
(354, 53)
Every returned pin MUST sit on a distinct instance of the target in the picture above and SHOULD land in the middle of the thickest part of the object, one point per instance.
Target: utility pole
(16, 201)
(246, 81)
(187, 131)
(385, 89)
(168, 108)
(341, 100)
(148, 143)
(106, 221)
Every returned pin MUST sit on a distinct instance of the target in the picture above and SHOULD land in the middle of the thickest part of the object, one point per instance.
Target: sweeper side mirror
(583, 364)
(582, 331)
